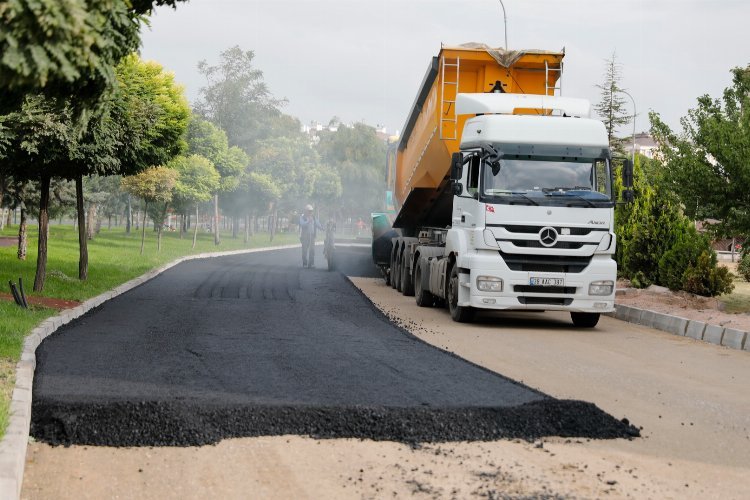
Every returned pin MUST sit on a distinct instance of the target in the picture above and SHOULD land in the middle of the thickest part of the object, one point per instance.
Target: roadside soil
(710, 310)
(49, 302)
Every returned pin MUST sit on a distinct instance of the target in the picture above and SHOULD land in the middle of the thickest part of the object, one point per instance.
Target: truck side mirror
(457, 189)
(457, 166)
(627, 180)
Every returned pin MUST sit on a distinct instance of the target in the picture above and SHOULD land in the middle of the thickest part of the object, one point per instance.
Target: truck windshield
(549, 181)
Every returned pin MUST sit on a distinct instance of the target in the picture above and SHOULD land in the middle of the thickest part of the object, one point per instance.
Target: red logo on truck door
(490, 209)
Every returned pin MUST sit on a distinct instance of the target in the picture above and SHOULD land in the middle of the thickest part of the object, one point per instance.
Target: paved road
(256, 345)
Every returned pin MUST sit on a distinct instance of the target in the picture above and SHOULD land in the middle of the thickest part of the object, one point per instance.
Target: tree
(611, 107)
(42, 133)
(707, 165)
(237, 99)
(208, 140)
(65, 48)
(154, 186)
(357, 156)
(196, 183)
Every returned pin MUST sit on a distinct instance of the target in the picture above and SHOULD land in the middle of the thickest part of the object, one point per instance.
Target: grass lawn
(739, 300)
(114, 258)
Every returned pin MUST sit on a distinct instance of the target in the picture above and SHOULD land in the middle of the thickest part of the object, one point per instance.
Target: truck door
(465, 205)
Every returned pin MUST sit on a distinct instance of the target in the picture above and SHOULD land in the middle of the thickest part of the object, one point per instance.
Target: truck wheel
(397, 274)
(422, 296)
(393, 272)
(462, 314)
(407, 284)
(584, 320)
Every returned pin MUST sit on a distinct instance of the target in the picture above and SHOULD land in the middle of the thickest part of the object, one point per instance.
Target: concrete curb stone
(714, 335)
(735, 339)
(14, 443)
(695, 330)
(698, 330)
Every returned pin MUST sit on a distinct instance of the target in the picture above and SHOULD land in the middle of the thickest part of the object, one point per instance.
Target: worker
(308, 226)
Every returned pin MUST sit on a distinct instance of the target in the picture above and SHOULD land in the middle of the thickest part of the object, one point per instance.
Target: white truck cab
(533, 213)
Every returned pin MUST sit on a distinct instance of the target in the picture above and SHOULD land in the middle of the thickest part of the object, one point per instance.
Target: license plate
(547, 282)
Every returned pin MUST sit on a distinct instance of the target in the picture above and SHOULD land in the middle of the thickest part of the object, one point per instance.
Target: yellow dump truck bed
(420, 168)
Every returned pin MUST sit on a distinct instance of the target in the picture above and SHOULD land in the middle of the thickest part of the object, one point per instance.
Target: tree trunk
(195, 231)
(128, 216)
(90, 221)
(41, 259)
(143, 229)
(109, 223)
(83, 251)
(247, 228)
(182, 225)
(161, 227)
(217, 238)
(22, 236)
(3, 211)
(9, 218)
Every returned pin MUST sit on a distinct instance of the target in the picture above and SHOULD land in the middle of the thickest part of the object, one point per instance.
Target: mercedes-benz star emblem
(548, 236)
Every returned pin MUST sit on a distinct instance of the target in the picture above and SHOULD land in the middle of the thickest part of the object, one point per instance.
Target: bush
(687, 248)
(706, 278)
(744, 267)
(639, 280)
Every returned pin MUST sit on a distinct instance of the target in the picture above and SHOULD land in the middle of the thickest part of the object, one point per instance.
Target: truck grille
(562, 245)
(574, 231)
(545, 263)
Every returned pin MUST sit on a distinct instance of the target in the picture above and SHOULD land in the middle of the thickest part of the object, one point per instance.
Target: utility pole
(505, 21)
(634, 113)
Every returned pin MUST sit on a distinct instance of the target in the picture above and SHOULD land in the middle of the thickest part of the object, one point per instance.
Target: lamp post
(634, 113)
(505, 22)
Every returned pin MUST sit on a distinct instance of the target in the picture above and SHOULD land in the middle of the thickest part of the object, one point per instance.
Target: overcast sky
(363, 60)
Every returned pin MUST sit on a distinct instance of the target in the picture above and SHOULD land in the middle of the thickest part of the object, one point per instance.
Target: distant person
(360, 226)
(308, 226)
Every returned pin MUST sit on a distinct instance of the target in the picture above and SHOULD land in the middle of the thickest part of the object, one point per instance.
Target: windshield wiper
(558, 192)
(503, 192)
(566, 189)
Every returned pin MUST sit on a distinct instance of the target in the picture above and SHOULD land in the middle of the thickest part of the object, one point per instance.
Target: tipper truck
(500, 191)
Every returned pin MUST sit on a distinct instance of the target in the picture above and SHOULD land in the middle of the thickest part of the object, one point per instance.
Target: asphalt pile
(256, 345)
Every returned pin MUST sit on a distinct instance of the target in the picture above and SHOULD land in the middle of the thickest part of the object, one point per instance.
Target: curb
(698, 330)
(13, 444)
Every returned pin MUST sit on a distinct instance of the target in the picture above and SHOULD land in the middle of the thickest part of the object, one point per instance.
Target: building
(644, 145)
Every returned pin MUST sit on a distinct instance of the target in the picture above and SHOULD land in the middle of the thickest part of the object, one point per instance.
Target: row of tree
(236, 149)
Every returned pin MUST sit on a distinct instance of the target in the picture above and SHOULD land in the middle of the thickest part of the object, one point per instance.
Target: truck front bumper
(518, 293)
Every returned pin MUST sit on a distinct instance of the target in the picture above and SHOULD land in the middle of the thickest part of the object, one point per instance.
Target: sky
(363, 60)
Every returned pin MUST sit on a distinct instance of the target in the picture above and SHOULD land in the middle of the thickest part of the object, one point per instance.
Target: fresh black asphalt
(255, 344)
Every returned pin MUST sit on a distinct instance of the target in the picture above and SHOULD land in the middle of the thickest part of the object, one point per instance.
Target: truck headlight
(601, 287)
(489, 284)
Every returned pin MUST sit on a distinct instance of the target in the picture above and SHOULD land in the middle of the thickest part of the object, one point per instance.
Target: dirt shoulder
(686, 305)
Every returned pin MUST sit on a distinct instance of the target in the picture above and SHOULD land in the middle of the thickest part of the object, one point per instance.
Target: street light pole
(505, 21)
(634, 113)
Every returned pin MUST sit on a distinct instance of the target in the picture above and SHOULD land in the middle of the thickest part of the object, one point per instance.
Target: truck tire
(393, 272)
(423, 297)
(584, 320)
(407, 283)
(397, 274)
(461, 314)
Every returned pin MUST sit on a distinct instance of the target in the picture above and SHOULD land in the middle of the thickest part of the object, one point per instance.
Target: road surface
(253, 345)
(690, 398)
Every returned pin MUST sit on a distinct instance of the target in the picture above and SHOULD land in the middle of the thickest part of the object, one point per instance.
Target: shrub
(640, 280)
(687, 248)
(706, 278)
(744, 267)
